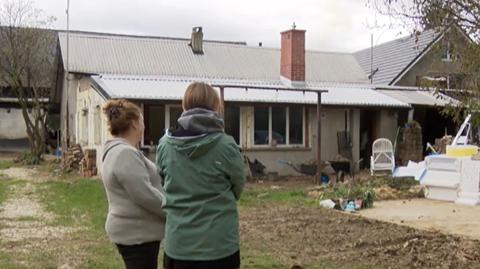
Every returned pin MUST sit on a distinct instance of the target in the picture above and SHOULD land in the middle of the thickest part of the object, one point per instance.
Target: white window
(279, 126)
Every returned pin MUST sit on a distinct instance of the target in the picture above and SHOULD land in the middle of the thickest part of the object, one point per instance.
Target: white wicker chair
(383, 157)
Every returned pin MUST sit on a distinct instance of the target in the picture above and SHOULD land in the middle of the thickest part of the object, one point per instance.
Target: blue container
(324, 179)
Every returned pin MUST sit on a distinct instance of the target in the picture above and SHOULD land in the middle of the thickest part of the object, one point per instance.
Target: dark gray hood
(200, 120)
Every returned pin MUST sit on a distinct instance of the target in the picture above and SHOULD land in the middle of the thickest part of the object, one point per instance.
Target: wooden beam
(222, 101)
(319, 138)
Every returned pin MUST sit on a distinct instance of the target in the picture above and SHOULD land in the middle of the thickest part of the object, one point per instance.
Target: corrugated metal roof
(173, 88)
(110, 54)
(420, 97)
(391, 58)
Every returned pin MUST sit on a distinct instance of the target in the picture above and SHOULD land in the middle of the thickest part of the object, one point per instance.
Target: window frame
(447, 53)
(240, 127)
(167, 113)
(287, 129)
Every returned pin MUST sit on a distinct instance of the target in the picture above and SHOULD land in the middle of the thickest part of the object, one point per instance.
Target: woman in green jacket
(204, 176)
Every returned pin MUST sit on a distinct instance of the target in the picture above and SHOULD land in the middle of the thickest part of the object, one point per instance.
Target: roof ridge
(105, 34)
(215, 42)
(406, 37)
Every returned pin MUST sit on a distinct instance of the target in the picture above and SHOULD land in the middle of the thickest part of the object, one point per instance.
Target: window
(295, 125)
(261, 125)
(154, 116)
(174, 113)
(158, 117)
(97, 120)
(278, 125)
(84, 124)
(446, 52)
(232, 122)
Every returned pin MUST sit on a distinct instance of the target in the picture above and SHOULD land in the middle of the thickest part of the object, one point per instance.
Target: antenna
(371, 58)
(67, 69)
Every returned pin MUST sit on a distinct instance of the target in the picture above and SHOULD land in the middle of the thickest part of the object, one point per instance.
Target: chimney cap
(294, 29)
(197, 29)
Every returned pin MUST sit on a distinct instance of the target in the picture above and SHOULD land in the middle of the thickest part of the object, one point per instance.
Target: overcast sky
(332, 25)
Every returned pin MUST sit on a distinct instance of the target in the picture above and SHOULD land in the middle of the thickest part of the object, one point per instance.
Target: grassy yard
(3, 190)
(83, 203)
(5, 164)
(280, 226)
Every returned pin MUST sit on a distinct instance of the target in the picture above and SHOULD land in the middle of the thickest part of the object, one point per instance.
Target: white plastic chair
(383, 157)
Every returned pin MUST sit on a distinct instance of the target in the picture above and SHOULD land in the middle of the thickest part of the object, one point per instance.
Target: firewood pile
(72, 158)
(411, 145)
(88, 165)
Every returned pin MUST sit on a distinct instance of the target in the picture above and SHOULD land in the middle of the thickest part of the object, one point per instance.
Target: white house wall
(90, 101)
(12, 124)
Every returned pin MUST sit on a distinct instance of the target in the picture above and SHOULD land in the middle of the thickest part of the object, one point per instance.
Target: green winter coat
(203, 178)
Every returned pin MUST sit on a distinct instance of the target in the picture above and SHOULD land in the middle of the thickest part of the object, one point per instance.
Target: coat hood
(207, 126)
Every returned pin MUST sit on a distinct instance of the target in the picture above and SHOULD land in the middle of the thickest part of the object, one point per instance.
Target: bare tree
(443, 15)
(27, 53)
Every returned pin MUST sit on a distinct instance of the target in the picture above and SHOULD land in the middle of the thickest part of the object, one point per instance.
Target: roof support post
(319, 138)
(222, 101)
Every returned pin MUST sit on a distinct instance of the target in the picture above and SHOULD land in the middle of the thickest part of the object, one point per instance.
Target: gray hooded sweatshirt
(135, 195)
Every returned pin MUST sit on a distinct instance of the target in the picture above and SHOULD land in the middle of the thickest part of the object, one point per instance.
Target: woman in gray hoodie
(135, 221)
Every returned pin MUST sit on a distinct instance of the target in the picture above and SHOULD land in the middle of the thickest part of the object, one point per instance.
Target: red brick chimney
(292, 61)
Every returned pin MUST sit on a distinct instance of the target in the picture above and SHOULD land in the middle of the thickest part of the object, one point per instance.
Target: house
(412, 63)
(268, 125)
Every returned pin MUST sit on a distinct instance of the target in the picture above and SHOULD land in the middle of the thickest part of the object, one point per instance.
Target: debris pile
(72, 158)
(361, 194)
(441, 144)
(411, 145)
(88, 166)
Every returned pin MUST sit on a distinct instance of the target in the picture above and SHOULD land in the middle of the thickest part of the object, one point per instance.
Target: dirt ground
(308, 235)
(302, 235)
(448, 218)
